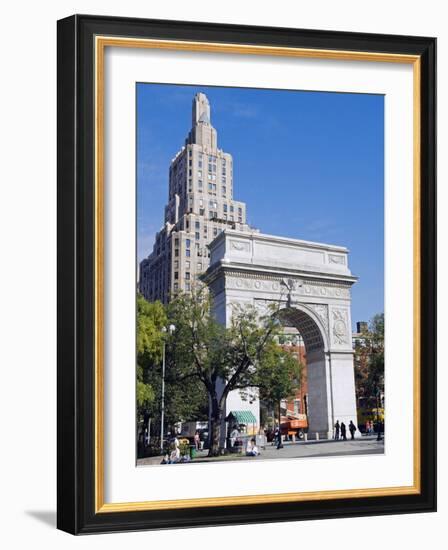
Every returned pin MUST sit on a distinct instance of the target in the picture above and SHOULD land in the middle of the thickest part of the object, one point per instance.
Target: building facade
(200, 206)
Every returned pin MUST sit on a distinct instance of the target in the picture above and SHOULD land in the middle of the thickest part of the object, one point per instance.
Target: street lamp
(377, 395)
(170, 331)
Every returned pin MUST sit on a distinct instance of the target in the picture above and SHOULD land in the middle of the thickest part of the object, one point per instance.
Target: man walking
(343, 431)
(352, 429)
(278, 435)
(336, 430)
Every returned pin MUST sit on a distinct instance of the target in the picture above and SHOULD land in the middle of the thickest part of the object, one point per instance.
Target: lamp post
(170, 331)
(377, 394)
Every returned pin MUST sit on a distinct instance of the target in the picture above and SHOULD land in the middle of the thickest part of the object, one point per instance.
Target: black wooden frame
(75, 475)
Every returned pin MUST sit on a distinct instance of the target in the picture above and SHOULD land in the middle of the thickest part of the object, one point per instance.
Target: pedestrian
(343, 431)
(278, 437)
(368, 427)
(352, 429)
(336, 430)
(197, 440)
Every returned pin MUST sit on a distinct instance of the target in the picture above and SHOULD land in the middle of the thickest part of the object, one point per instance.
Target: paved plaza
(302, 449)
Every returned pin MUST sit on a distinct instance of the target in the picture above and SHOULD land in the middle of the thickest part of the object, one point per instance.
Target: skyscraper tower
(200, 206)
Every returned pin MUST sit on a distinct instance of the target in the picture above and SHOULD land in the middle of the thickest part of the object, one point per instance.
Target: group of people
(236, 441)
(369, 427)
(342, 430)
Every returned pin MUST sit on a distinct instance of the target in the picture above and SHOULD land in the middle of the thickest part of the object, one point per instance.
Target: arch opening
(318, 390)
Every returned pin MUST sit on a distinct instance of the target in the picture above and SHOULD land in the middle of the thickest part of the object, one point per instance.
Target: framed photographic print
(246, 274)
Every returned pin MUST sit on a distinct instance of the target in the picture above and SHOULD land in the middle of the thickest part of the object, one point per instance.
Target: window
(210, 187)
(176, 264)
(176, 275)
(201, 211)
(224, 191)
(296, 406)
(231, 208)
(197, 235)
(187, 264)
(240, 219)
(199, 174)
(197, 225)
(187, 253)
(176, 286)
(199, 266)
(187, 275)
(215, 232)
(240, 211)
(187, 286)
(187, 243)
(176, 242)
(225, 207)
(176, 252)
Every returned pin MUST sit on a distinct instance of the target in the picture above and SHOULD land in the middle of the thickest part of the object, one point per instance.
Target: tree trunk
(216, 420)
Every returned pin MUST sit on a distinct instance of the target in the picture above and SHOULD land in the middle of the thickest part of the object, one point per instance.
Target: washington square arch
(310, 284)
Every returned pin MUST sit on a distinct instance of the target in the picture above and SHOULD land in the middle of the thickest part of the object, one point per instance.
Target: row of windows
(188, 265)
(187, 286)
(188, 252)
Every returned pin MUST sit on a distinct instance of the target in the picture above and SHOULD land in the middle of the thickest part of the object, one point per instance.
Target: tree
(369, 358)
(183, 399)
(222, 359)
(151, 317)
(279, 376)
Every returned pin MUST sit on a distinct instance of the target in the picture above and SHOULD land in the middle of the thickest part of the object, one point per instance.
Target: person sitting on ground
(175, 453)
(252, 449)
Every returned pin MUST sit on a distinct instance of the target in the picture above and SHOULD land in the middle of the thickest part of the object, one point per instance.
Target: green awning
(243, 417)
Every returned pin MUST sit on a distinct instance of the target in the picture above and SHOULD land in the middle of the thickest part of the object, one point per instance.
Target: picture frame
(82, 41)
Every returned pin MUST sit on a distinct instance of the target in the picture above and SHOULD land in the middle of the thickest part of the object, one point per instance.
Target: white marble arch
(309, 283)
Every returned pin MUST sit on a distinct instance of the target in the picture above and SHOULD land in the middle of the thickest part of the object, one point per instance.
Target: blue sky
(309, 165)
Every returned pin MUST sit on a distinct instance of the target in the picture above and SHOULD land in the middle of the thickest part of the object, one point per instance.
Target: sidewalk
(302, 449)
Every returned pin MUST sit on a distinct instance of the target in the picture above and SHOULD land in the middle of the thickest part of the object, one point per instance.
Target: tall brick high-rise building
(200, 206)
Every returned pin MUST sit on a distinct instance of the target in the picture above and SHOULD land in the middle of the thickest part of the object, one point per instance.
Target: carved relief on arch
(340, 332)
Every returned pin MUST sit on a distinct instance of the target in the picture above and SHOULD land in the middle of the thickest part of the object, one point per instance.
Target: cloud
(319, 229)
(237, 109)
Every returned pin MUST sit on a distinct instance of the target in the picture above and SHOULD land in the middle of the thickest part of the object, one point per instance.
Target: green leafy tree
(222, 359)
(369, 358)
(279, 376)
(151, 317)
(184, 399)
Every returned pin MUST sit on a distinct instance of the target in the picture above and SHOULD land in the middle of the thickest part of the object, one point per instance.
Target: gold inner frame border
(100, 44)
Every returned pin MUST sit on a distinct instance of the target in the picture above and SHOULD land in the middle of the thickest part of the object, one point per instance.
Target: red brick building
(298, 404)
